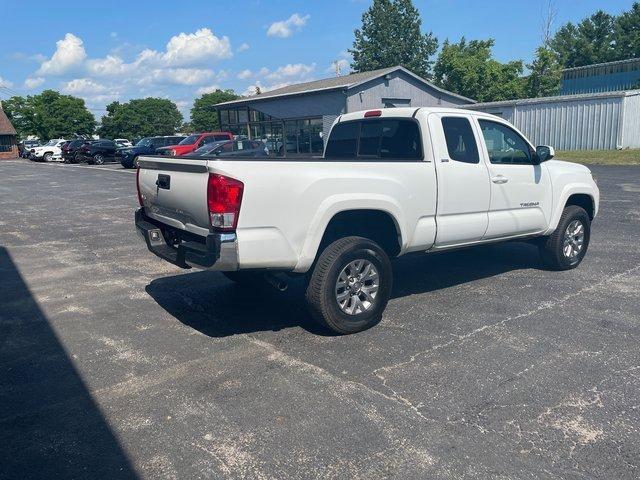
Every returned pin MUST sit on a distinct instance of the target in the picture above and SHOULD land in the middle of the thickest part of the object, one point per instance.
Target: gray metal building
(597, 121)
(291, 118)
(601, 77)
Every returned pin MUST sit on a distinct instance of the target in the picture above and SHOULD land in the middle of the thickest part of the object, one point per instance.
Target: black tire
(321, 294)
(47, 157)
(98, 159)
(552, 248)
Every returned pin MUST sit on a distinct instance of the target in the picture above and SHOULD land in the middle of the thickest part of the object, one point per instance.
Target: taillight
(373, 113)
(138, 186)
(224, 196)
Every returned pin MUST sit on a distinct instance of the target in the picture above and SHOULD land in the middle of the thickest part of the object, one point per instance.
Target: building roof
(558, 98)
(596, 65)
(335, 83)
(5, 125)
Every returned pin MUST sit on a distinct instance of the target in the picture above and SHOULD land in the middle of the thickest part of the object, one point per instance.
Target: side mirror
(545, 152)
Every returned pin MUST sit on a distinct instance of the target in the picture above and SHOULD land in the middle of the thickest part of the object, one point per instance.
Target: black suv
(97, 152)
(146, 146)
(70, 150)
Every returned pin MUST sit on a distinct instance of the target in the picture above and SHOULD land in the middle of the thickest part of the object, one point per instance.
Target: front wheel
(350, 285)
(567, 246)
(47, 157)
(98, 159)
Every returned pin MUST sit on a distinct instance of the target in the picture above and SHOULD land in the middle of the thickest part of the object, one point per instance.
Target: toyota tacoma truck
(391, 182)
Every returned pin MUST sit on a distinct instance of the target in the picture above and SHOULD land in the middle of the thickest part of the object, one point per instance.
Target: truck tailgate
(174, 192)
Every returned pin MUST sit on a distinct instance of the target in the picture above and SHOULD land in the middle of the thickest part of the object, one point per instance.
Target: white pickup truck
(391, 182)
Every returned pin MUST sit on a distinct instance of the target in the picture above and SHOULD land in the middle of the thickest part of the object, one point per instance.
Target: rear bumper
(216, 251)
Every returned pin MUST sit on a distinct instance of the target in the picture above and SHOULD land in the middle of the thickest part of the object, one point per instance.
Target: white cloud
(298, 71)
(209, 89)
(243, 47)
(69, 54)
(31, 82)
(285, 28)
(113, 34)
(189, 49)
(245, 74)
(5, 83)
(109, 66)
(80, 86)
(177, 76)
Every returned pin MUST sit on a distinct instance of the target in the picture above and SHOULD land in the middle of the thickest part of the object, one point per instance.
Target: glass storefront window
(224, 117)
(315, 129)
(243, 116)
(233, 116)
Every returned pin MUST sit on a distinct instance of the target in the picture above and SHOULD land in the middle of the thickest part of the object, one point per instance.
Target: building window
(6, 143)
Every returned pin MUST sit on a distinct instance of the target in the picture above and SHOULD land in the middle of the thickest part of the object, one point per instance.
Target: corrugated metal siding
(581, 124)
(631, 122)
(398, 86)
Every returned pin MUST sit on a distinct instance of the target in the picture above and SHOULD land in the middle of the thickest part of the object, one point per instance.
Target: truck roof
(407, 112)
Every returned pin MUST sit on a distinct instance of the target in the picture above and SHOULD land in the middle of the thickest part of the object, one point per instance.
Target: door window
(461, 144)
(504, 145)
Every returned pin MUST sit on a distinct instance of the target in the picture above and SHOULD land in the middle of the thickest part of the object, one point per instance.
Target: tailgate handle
(164, 181)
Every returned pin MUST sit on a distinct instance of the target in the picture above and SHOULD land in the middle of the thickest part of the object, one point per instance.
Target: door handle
(499, 179)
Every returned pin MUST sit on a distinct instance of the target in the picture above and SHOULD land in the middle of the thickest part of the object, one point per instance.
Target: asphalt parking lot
(114, 364)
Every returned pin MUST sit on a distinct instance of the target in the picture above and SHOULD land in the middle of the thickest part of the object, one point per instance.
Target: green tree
(143, 117)
(60, 116)
(391, 35)
(204, 117)
(20, 113)
(627, 33)
(591, 41)
(545, 74)
(50, 115)
(467, 68)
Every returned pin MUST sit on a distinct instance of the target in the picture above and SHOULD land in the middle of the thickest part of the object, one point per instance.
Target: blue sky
(117, 50)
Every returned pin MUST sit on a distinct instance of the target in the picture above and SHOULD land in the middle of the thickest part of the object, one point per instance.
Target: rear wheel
(350, 285)
(567, 246)
(98, 159)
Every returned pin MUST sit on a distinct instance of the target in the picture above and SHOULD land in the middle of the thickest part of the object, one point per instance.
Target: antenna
(336, 66)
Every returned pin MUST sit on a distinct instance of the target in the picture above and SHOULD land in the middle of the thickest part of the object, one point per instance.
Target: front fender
(335, 204)
(574, 188)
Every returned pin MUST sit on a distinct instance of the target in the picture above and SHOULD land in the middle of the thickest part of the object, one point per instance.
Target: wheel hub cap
(573, 240)
(357, 287)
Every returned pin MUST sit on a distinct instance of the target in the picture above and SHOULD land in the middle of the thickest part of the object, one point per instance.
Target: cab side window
(505, 146)
(461, 144)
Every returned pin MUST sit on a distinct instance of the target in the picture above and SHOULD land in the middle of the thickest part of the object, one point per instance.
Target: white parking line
(90, 167)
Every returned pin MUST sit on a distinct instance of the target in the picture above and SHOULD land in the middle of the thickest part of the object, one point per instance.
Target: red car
(193, 142)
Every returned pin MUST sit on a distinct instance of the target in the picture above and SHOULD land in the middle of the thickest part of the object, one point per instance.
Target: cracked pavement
(116, 364)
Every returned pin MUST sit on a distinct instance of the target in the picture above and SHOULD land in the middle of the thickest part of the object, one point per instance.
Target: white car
(392, 181)
(47, 151)
(122, 143)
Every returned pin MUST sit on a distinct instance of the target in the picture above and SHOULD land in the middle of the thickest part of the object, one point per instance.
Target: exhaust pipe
(277, 281)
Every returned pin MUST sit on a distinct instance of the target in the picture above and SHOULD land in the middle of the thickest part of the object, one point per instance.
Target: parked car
(193, 142)
(391, 182)
(146, 146)
(46, 152)
(230, 148)
(122, 142)
(97, 152)
(70, 150)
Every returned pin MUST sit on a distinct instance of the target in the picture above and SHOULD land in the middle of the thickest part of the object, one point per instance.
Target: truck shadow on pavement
(50, 426)
(216, 307)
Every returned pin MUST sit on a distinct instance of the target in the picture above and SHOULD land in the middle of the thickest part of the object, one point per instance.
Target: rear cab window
(461, 143)
(392, 139)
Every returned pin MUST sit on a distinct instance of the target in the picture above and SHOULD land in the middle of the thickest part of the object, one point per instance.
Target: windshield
(50, 143)
(190, 140)
(144, 142)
